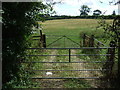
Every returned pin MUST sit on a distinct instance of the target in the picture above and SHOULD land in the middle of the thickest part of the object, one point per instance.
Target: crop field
(68, 32)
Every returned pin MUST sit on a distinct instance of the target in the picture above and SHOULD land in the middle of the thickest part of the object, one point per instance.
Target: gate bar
(72, 40)
(75, 70)
(74, 55)
(70, 62)
(54, 41)
(77, 48)
(65, 78)
(69, 55)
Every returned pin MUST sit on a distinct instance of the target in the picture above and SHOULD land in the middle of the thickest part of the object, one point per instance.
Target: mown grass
(72, 26)
(69, 26)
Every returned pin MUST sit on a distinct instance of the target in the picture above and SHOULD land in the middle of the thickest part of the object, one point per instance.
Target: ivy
(18, 18)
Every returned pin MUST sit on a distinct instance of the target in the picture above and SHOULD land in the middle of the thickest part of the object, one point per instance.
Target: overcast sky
(71, 7)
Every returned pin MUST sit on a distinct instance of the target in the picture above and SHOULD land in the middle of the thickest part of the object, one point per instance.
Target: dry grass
(70, 26)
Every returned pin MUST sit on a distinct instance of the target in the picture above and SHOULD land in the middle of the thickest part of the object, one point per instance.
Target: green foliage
(81, 17)
(112, 29)
(97, 12)
(75, 83)
(84, 10)
(18, 19)
(114, 13)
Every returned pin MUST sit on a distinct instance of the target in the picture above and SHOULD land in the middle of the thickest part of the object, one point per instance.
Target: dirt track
(59, 83)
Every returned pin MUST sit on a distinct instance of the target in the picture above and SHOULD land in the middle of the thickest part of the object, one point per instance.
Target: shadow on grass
(76, 83)
(109, 81)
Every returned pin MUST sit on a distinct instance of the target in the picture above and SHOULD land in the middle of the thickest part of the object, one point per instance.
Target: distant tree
(114, 13)
(84, 10)
(97, 12)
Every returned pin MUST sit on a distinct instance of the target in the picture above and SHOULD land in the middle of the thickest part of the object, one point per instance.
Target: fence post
(112, 56)
(118, 59)
(98, 44)
(64, 41)
(91, 41)
(44, 40)
(84, 40)
(41, 38)
(108, 66)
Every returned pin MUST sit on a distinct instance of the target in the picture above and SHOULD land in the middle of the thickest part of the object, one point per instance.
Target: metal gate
(63, 58)
(68, 63)
(63, 41)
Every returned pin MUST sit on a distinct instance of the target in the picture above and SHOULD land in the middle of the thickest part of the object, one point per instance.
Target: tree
(84, 10)
(114, 13)
(113, 30)
(17, 21)
(97, 12)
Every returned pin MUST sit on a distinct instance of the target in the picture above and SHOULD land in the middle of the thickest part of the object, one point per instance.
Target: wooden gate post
(84, 40)
(91, 41)
(41, 38)
(108, 66)
(44, 40)
(119, 59)
(40, 34)
(112, 56)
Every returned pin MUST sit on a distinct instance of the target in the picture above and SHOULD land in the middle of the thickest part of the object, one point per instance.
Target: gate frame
(72, 62)
(62, 36)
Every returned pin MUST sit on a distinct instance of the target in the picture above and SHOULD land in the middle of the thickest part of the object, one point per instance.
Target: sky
(71, 7)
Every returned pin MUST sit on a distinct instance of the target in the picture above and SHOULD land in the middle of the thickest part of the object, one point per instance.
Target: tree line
(47, 17)
(84, 14)
(84, 10)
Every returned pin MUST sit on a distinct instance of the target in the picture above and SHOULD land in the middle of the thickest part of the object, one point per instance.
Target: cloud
(71, 2)
(103, 6)
(66, 10)
(88, 3)
(77, 2)
(71, 7)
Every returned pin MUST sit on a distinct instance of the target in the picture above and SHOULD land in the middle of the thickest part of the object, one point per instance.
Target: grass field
(73, 29)
(72, 26)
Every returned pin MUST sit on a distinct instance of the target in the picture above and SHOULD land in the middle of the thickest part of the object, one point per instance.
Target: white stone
(48, 73)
